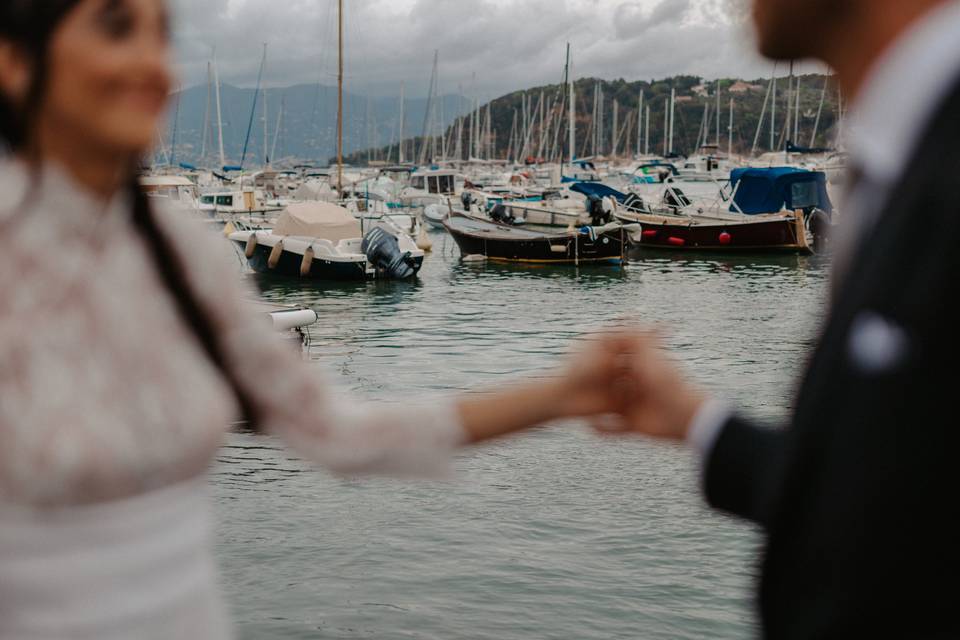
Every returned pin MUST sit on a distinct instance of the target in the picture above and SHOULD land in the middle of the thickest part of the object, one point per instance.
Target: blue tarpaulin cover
(597, 189)
(772, 190)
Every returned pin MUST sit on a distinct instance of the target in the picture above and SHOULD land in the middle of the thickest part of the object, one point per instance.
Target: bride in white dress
(105, 437)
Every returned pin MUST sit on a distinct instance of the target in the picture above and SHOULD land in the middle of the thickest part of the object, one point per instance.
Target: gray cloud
(508, 44)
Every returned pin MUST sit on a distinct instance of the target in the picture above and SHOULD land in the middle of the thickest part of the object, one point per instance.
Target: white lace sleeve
(297, 401)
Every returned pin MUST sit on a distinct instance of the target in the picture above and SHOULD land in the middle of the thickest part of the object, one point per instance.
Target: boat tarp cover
(317, 220)
(598, 189)
(778, 188)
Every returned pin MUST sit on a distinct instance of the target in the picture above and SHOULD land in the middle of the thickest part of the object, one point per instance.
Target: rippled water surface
(553, 535)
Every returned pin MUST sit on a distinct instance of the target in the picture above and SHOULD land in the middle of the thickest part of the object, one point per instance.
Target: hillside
(692, 96)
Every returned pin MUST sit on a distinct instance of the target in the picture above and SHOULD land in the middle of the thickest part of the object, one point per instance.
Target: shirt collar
(902, 93)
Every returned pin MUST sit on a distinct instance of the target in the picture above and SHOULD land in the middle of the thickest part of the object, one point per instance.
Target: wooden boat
(780, 209)
(499, 242)
(774, 232)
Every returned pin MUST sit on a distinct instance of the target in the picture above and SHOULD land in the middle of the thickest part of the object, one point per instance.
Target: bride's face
(108, 75)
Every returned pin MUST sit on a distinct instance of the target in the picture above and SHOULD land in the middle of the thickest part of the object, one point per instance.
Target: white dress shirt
(899, 98)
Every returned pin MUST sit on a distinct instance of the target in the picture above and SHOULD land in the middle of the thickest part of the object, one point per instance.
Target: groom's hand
(657, 401)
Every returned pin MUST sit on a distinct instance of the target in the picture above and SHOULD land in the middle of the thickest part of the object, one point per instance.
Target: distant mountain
(307, 131)
(693, 97)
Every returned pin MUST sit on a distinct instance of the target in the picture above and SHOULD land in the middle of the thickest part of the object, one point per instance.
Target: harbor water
(554, 535)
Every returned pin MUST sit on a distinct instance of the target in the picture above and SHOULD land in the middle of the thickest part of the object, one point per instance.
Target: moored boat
(780, 209)
(322, 241)
(500, 242)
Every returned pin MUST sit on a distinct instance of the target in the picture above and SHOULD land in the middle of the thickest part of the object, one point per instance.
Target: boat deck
(474, 226)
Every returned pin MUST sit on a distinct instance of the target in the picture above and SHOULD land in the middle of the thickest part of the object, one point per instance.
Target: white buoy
(475, 257)
(251, 245)
(274, 259)
(307, 264)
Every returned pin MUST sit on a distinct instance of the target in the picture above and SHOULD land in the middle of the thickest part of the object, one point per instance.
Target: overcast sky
(506, 44)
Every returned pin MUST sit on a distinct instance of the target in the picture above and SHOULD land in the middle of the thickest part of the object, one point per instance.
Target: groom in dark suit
(858, 495)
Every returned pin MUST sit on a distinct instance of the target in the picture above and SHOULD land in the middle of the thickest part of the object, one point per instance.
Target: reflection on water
(553, 535)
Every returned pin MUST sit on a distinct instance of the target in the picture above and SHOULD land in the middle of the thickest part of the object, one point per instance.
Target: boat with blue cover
(777, 209)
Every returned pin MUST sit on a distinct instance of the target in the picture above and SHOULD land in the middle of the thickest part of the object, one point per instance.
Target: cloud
(504, 44)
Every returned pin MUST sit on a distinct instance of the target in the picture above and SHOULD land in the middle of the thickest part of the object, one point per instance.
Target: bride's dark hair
(29, 26)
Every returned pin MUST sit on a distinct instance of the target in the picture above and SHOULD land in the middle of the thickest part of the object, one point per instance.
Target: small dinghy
(500, 242)
(434, 214)
(322, 241)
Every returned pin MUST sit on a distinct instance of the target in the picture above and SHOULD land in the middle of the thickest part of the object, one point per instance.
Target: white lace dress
(111, 413)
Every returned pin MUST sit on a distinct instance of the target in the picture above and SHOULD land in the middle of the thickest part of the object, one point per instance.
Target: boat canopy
(771, 190)
(317, 220)
(598, 189)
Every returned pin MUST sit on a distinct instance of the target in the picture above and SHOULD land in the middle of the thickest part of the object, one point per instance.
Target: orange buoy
(725, 238)
(677, 242)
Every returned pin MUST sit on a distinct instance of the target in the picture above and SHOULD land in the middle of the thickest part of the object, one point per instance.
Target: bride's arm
(299, 402)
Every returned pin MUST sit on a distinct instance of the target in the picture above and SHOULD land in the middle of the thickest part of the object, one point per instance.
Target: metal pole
(340, 100)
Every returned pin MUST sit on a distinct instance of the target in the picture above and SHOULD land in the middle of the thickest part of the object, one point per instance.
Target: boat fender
(251, 245)
(307, 263)
(424, 243)
(677, 242)
(275, 254)
(649, 234)
(725, 238)
(383, 251)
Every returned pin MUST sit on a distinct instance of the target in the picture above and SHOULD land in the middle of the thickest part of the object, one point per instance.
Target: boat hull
(496, 242)
(780, 233)
(289, 265)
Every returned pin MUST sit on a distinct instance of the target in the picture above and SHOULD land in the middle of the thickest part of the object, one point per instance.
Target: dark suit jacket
(859, 495)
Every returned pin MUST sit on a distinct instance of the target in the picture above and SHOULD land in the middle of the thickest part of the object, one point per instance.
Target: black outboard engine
(598, 215)
(819, 224)
(633, 202)
(674, 197)
(383, 251)
(466, 198)
(504, 215)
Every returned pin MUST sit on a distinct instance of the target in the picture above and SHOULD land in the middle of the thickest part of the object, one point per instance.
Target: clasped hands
(625, 383)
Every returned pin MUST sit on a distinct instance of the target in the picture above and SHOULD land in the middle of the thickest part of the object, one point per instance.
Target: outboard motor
(504, 215)
(600, 213)
(818, 222)
(383, 251)
(466, 198)
(633, 202)
(674, 197)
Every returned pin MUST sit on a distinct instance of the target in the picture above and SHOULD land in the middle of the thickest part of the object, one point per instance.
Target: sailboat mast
(206, 113)
(673, 107)
(216, 79)
(640, 125)
(266, 135)
(646, 133)
(402, 118)
(718, 113)
(730, 130)
(572, 125)
(340, 97)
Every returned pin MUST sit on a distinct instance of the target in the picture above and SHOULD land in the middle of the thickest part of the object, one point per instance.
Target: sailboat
(326, 241)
